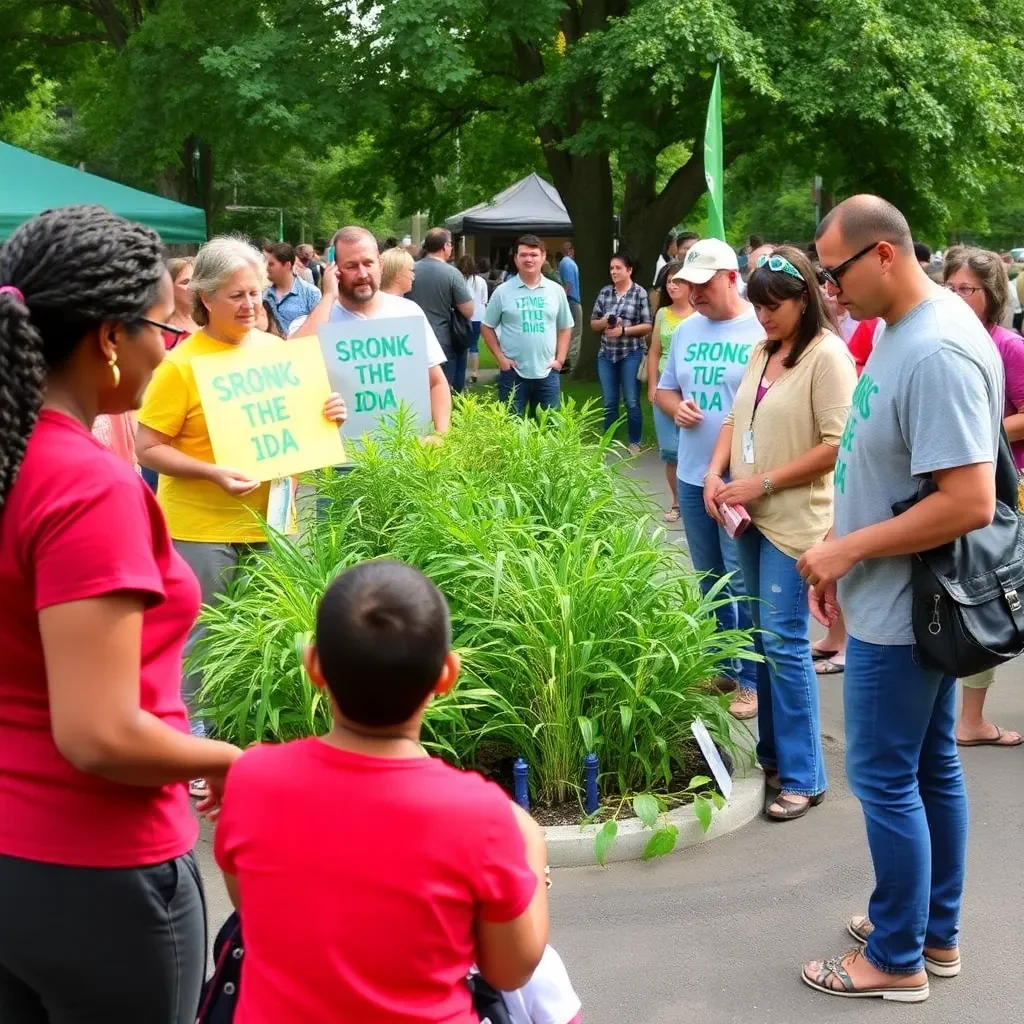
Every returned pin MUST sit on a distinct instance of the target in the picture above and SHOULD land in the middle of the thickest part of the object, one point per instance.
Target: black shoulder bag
(968, 595)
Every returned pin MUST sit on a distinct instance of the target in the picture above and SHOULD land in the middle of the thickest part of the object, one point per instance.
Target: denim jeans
(714, 554)
(527, 392)
(903, 766)
(454, 369)
(668, 436)
(619, 378)
(788, 721)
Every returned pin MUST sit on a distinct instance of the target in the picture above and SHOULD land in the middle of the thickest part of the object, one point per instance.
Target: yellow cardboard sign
(264, 408)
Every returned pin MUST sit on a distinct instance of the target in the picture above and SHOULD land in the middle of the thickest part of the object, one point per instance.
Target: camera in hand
(613, 320)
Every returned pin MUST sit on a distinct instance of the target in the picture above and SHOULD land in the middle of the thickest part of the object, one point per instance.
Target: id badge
(748, 447)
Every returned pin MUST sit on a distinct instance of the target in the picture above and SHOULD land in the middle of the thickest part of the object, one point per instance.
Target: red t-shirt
(862, 341)
(80, 523)
(361, 879)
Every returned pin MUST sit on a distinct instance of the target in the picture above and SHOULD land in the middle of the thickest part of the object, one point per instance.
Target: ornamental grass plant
(579, 628)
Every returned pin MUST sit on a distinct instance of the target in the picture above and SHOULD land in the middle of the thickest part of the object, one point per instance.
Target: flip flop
(992, 741)
(829, 668)
(817, 654)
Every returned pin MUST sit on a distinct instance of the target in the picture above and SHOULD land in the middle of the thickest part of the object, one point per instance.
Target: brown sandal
(861, 928)
(795, 810)
(832, 978)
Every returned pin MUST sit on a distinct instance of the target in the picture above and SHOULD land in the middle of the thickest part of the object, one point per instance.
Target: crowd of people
(788, 437)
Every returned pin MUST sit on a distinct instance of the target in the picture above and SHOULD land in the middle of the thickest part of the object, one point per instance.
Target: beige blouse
(805, 406)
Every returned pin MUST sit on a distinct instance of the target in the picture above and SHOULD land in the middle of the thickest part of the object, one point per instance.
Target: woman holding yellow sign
(209, 507)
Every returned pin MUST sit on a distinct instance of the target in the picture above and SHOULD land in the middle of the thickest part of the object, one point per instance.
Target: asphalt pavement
(718, 934)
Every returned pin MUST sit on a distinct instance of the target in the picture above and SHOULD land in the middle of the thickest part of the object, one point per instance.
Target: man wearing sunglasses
(928, 404)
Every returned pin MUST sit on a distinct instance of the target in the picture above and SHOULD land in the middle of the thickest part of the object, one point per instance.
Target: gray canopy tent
(531, 205)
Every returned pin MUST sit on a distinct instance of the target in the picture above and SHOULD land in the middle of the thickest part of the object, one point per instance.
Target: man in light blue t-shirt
(536, 328)
(710, 351)
(569, 274)
(928, 405)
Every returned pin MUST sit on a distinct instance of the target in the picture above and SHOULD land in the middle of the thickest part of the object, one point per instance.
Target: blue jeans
(903, 766)
(714, 554)
(474, 345)
(788, 722)
(151, 476)
(527, 392)
(454, 369)
(619, 378)
(668, 436)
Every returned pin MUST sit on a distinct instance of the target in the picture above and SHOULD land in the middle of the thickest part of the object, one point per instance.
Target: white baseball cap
(705, 259)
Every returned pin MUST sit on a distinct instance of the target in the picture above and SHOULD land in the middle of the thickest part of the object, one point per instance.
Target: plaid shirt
(631, 309)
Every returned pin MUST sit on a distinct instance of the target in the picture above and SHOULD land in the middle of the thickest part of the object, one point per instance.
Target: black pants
(101, 945)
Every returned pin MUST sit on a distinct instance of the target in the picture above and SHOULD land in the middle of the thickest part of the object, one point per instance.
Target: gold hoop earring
(115, 369)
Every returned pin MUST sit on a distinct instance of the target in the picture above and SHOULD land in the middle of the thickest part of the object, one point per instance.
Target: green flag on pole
(714, 170)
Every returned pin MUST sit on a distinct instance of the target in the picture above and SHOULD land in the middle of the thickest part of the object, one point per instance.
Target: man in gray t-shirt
(928, 404)
(441, 292)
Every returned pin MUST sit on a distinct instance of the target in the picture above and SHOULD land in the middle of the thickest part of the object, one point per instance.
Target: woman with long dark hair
(778, 447)
(103, 915)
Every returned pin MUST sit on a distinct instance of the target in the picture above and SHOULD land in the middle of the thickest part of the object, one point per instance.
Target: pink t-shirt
(361, 880)
(80, 523)
(1011, 351)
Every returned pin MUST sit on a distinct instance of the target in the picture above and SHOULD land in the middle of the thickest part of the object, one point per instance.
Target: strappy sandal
(860, 928)
(828, 667)
(672, 515)
(791, 809)
(835, 968)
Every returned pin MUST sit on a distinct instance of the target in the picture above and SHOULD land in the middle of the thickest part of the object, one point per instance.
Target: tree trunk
(585, 185)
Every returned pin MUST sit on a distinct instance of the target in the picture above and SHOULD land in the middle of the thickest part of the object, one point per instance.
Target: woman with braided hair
(103, 914)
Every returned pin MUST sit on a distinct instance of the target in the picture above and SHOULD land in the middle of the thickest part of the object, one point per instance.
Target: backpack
(220, 993)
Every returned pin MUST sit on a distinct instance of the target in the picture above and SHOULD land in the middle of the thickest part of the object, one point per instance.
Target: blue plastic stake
(520, 785)
(590, 801)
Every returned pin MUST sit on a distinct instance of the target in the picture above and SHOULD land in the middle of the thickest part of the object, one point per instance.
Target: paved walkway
(717, 935)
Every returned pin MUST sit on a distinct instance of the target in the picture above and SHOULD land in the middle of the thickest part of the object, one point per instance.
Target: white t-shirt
(478, 289)
(388, 305)
(706, 363)
(547, 998)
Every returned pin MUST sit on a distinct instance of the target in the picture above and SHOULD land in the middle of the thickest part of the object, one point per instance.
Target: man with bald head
(928, 405)
(351, 287)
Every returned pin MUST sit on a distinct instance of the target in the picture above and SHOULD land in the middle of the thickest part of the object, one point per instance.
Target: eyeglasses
(965, 291)
(780, 265)
(175, 332)
(833, 274)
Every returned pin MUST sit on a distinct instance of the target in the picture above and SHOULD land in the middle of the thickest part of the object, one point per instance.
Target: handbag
(968, 595)
(460, 333)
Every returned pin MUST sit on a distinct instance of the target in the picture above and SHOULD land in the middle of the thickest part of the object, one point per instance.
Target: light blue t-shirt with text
(706, 363)
(530, 319)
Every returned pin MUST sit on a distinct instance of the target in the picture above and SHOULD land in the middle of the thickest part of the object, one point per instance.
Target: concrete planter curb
(572, 846)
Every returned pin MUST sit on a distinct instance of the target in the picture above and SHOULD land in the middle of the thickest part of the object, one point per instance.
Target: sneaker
(744, 704)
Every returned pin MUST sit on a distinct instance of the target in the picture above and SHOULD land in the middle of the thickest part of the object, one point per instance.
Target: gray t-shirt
(930, 398)
(436, 289)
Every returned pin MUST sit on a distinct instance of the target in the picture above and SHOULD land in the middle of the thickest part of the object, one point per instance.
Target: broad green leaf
(645, 807)
(718, 800)
(699, 782)
(661, 842)
(603, 840)
(702, 812)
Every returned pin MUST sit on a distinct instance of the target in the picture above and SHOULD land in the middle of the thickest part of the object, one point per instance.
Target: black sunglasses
(175, 332)
(832, 274)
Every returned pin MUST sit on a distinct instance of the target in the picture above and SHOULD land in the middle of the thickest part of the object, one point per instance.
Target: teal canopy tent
(30, 184)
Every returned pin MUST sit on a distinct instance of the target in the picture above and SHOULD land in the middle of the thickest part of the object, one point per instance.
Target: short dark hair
(382, 635)
(624, 257)
(922, 252)
(755, 241)
(530, 241)
(687, 236)
(390, 242)
(670, 239)
(864, 219)
(436, 240)
(283, 252)
(768, 287)
(273, 324)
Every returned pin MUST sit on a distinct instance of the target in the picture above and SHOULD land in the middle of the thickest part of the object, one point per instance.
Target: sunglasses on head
(833, 274)
(780, 265)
